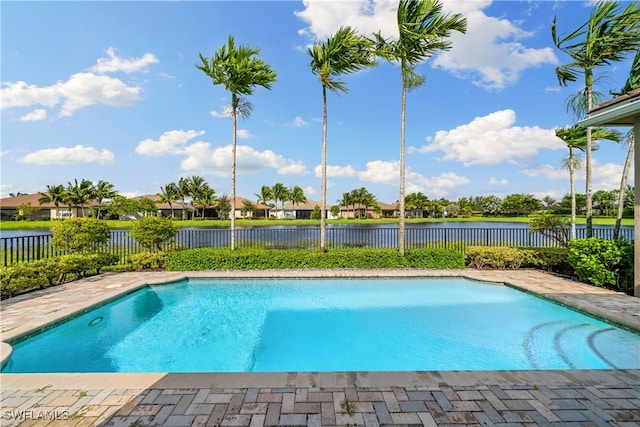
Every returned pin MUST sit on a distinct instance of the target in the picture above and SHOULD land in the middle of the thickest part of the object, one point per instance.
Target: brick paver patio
(478, 398)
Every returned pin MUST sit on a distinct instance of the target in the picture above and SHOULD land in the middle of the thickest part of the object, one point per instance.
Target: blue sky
(110, 91)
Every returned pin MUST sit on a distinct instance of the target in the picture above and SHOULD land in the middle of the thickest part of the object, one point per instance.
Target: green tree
(79, 193)
(223, 206)
(491, 205)
(608, 35)
(296, 195)
(237, 69)
(279, 192)
(101, 191)
(633, 82)
(55, 194)
(27, 211)
(423, 31)
(168, 194)
(184, 191)
(153, 232)
(342, 53)
(604, 201)
(264, 197)
(201, 194)
(576, 139)
(80, 235)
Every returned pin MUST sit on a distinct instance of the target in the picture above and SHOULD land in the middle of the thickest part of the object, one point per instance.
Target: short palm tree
(344, 52)
(279, 192)
(55, 194)
(237, 69)
(576, 139)
(423, 31)
(610, 33)
(184, 191)
(79, 193)
(296, 195)
(264, 197)
(103, 190)
(168, 194)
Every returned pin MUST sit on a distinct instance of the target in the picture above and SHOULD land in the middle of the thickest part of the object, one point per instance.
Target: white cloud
(170, 142)
(201, 156)
(298, 122)
(551, 172)
(388, 172)
(293, 168)
(81, 90)
(34, 116)
(490, 140)
(69, 156)
(495, 181)
(115, 63)
(336, 171)
(491, 54)
(225, 114)
(310, 190)
(84, 89)
(606, 176)
(244, 134)
(325, 17)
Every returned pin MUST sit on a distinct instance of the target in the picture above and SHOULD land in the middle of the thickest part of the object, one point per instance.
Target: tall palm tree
(608, 35)
(633, 82)
(623, 183)
(55, 194)
(103, 190)
(423, 30)
(576, 139)
(264, 197)
(239, 72)
(168, 194)
(342, 53)
(79, 193)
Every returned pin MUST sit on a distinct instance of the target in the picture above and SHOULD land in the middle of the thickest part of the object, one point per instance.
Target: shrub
(50, 269)
(77, 235)
(499, 257)
(153, 232)
(548, 259)
(602, 262)
(244, 259)
(20, 277)
(435, 258)
(144, 260)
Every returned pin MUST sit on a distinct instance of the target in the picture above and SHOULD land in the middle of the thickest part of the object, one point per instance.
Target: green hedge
(256, 259)
(502, 257)
(26, 276)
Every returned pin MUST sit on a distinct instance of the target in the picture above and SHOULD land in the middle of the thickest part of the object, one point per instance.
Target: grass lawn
(115, 224)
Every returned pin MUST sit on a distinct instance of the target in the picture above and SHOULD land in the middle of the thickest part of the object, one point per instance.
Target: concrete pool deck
(573, 397)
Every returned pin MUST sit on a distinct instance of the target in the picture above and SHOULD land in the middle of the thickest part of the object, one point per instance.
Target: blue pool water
(327, 325)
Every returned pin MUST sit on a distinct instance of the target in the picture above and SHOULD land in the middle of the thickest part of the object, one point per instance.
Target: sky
(110, 91)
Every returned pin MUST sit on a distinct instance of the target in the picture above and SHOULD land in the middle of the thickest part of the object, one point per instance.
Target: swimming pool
(327, 325)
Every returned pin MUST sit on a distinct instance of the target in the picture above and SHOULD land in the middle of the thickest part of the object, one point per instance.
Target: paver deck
(478, 398)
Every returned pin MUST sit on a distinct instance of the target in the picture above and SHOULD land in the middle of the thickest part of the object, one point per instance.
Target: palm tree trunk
(572, 187)
(232, 238)
(587, 158)
(402, 175)
(323, 196)
(623, 186)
